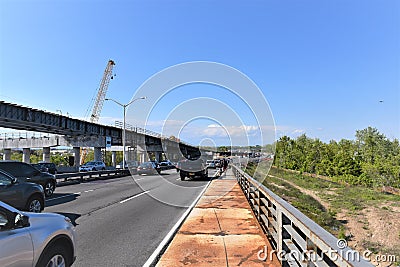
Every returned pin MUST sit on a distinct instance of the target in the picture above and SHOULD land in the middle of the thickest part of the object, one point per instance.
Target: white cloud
(298, 131)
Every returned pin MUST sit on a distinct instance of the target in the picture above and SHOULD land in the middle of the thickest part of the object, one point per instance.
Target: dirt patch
(306, 191)
(376, 229)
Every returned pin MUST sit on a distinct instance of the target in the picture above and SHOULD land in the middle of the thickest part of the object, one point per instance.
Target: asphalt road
(121, 221)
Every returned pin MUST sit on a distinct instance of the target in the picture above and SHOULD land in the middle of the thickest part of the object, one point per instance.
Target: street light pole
(123, 126)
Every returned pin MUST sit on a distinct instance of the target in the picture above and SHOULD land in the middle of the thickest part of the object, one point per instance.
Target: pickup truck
(193, 168)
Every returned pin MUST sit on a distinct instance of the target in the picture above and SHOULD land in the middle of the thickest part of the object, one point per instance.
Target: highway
(118, 221)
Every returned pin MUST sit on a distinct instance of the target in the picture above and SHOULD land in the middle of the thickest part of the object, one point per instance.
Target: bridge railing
(296, 239)
(24, 135)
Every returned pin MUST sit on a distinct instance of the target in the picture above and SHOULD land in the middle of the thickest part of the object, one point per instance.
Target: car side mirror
(20, 220)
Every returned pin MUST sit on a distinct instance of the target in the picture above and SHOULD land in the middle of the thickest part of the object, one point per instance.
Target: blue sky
(323, 66)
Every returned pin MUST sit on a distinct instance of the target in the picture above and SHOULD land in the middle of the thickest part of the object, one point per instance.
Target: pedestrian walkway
(221, 230)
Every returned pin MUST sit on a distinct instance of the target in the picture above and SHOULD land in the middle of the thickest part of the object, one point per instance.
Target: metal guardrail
(296, 239)
(90, 175)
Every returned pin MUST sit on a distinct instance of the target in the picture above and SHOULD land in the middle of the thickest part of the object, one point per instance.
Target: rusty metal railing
(296, 239)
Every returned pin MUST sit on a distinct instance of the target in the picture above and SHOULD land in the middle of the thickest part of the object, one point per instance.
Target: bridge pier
(46, 154)
(7, 154)
(26, 155)
(77, 156)
(113, 158)
(97, 153)
(157, 155)
(142, 157)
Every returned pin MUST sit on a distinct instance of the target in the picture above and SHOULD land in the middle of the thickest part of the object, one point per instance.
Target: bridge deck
(221, 230)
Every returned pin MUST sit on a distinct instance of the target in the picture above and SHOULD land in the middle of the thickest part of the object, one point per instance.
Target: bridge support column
(113, 158)
(142, 157)
(77, 156)
(26, 155)
(158, 156)
(97, 153)
(46, 154)
(7, 154)
(128, 155)
(132, 154)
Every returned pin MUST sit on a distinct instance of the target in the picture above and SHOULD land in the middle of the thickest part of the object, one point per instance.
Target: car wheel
(103, 169)
(94, 169)
(49, 188)
(34, 204)
(55, 256)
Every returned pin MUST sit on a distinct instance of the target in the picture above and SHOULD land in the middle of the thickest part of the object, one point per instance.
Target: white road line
(139, 179)
(88, 190)
(138, 195)
(73, 194)
(172, 232)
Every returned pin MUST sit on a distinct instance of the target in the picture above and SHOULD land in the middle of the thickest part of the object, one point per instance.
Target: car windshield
(89, 163)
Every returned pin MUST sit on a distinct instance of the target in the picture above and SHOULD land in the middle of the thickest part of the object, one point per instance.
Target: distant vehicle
(25, 172)
(128, 164)
(166, 163)
(35, 239)
(217, 163)
(148, 167)
(46, 167)
(92, 166)
(24, 196)
(193, 168)
(210, 164)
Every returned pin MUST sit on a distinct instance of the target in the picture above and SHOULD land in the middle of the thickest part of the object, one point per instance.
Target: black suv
(192, 168)
(23, 196)
(27, 173)
(46, 167)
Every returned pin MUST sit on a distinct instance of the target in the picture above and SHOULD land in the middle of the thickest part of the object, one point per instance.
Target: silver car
(35, 239)
(92, 166)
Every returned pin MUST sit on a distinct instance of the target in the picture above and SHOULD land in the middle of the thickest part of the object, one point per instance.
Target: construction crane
(99, 101)
(101, 93)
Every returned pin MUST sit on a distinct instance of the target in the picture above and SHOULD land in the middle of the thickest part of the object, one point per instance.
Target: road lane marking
(130, 198)
(73, 194)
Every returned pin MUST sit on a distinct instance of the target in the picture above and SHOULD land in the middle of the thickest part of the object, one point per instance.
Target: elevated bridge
(66, 131)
